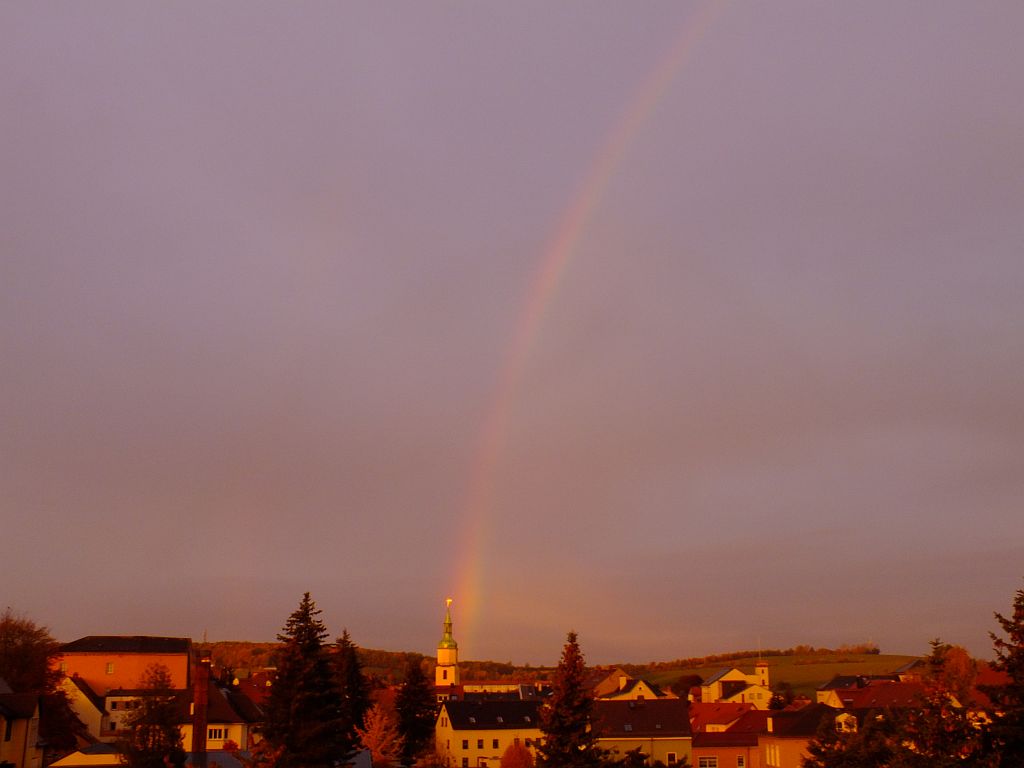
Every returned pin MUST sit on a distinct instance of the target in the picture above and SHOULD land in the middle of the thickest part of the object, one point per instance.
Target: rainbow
(557, 254)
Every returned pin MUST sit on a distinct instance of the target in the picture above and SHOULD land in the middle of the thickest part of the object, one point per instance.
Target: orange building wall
(128, 671)
(727, 756)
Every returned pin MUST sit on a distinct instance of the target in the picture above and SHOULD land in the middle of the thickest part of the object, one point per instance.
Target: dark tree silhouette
(1007, 727)
(154, 736)
(565, 719)
(416, 707)
(304, 727)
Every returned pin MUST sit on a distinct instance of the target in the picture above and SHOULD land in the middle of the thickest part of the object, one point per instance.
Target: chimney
(200, 709)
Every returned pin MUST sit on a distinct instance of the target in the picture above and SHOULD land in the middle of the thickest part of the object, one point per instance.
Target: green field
(804, 672)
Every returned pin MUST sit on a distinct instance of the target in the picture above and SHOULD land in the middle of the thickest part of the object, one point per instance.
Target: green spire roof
(447, 641)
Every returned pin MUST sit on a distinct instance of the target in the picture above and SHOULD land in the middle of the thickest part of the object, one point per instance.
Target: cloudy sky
(691, 326)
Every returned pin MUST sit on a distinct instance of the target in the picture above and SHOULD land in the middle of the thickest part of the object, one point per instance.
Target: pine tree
(352, 685)
(416, 707)
(1007, 727)
(565, 720)
(154, 737)
(303, 727)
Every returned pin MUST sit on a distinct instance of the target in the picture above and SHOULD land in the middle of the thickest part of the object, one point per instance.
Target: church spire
(447, 671)
(447, 640)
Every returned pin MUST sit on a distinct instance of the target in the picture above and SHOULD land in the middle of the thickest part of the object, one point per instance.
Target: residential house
(658, 728)
(633, 689)
(473, 734)
(783, 743)
(19, 729)
(107, 662)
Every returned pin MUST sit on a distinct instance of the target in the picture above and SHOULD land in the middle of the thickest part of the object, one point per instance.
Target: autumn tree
(303, 724)
(516, 756)
(28, 663)
(565, 719)
(939, 733)
(416, 708)
(1007, 727)
(380, 735)
(153, 733)
(869, 745)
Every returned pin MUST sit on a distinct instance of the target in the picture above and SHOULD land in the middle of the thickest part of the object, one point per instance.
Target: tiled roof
(753, 721)
(883, 694)
(840, 682)
(703, 714)
(128, 644)
(648, 718)
(491, 714)
(800, 724)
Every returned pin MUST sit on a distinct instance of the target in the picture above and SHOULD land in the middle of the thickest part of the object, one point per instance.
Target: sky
(688, 326)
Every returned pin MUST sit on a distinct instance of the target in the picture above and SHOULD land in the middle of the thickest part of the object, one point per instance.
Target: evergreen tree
(565, 719)
(352, 684)
(1007, 727)
(303, 726)
(154, 736)
(416, 707)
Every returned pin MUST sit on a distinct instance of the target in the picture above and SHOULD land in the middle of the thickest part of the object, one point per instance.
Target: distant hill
(803, 667)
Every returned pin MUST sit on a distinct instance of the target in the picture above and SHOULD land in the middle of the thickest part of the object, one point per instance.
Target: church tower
(447, 671)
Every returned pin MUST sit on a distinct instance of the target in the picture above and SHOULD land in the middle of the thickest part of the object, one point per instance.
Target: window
(444, 674)
(529, 742)
(707, 762)
(465, 743)
(741, 761)
(627, 727)
(217, 733)
(472, 719)
(9, 730)
(113, 706)
(110, 667)
(63, 667)
(479, 743)
(465, 762)
(671, 757)
(501, 719)
(494, 744)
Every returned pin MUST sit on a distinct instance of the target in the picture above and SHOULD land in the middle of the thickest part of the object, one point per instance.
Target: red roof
(703, 714)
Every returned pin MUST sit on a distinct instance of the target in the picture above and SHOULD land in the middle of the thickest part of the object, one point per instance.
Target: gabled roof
(752, 721)
(631, 685)
(492, 714)
(19, 705)
(703, 714)
(718, 675)
(648, 718)
(128, 644)
(88, 692)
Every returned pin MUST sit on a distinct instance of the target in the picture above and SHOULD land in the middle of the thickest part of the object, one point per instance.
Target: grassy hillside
(804, 672)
